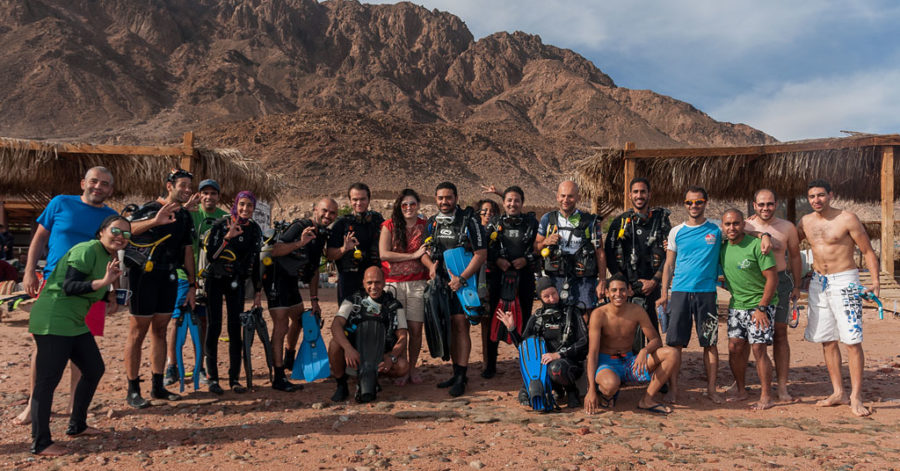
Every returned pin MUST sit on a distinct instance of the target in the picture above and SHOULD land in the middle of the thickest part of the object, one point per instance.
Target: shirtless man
(785, 241)
(611, 363)
(834, 313)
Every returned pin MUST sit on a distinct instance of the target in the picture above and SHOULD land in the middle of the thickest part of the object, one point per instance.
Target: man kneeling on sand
(610, 338)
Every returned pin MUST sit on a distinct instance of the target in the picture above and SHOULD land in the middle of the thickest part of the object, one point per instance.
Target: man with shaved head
(574, 258)
(372, 304)
(324, 213)
(297, 256)
(752, 279)
(68, 220)
(785, 248)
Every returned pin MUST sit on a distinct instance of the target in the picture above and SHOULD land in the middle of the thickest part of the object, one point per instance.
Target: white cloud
(820, 107)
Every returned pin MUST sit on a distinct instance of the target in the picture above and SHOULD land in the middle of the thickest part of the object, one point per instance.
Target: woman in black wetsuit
(232, 249)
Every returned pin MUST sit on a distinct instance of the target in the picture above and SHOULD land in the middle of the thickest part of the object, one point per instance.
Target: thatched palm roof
(38, 170)
(852, 165)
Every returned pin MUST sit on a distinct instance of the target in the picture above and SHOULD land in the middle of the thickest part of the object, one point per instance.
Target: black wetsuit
(280, 279)
(564, 333)
(226, 279)
(463, 230)
(155, 291)
(515, 239)
(366, 228)
(635, 248)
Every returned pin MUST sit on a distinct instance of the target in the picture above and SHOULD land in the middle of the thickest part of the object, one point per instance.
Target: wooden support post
(887, 209)
(187, 154)
(790, 209)
(630, 170)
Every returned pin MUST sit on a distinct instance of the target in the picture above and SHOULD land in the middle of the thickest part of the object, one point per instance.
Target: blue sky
(795, 69)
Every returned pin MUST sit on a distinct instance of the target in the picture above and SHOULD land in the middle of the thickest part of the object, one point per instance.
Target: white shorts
(835, 310)
(411, 295)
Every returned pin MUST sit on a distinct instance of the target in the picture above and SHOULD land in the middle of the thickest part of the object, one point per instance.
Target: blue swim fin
(535, 374)
(312, 358)
(456, 261)
(183, 326)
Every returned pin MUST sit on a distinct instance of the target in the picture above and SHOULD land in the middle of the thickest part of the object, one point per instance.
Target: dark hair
(173, 176)
(616, 277)
(696, 189)
(108, 222)
(361, 187)
(819, 184)
(639, 180)
(514, 189)
(757, 192)
(734, 211)
(494, 206)
(398, 235)
(446, 186)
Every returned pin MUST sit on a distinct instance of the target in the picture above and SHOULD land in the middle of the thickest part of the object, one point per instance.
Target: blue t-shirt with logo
(70, 221)
(697, 260)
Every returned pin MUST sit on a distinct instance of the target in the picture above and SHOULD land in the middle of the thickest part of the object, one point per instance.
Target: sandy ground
(421, 427)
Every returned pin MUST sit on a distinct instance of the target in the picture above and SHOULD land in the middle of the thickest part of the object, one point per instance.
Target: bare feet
(54, 450)
(401, 381)
(24, 418)
(762, 404)
(835, 399)
(785, 396)
(738, 396)
(415, 378)
(671, 397)
(715, 397)
(89, 431)
(859, 409)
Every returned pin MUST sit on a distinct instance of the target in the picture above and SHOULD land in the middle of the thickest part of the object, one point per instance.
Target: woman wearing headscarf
(232, 250)
(81, 278)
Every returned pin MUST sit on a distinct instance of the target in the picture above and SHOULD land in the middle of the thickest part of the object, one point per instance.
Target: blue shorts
(623, 367)
(183, 286)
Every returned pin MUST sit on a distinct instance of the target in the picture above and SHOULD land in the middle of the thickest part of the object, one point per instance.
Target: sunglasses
(177, 173)
(699, 202)
(765, 205)
(115, 231)
(408, 204)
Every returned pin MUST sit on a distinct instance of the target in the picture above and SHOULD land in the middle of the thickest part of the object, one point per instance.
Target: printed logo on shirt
(710, 239)
(745, 263)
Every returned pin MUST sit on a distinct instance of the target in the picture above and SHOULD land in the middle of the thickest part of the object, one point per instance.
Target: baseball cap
(209, 182)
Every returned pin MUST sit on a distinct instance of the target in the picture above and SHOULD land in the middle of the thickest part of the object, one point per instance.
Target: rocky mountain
(320, 90)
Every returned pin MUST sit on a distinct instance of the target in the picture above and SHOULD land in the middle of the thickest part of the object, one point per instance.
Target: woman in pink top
(402, 259)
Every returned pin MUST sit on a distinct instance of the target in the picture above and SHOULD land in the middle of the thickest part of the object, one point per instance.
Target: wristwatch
(393, 359)
(761, 308)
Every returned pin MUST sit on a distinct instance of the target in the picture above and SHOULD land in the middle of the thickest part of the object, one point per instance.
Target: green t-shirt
(202, 222)
(59, 314)
(743, 264)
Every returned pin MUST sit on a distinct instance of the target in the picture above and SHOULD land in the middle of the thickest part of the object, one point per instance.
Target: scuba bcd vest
(582, 263)
(366, 309)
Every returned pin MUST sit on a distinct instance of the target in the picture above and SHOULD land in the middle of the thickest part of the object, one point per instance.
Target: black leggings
(216, 290)
(53, 353)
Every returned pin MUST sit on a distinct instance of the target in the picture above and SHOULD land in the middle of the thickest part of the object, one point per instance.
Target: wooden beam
(187, 158)
(101, 149)
(791, 209)
(628, 175)
(887, 209)
(831, 144)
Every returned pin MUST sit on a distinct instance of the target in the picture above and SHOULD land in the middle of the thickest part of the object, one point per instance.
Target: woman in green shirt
(81, 278)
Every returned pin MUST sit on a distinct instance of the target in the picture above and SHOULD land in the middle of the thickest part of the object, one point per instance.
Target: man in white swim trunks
(835, 310)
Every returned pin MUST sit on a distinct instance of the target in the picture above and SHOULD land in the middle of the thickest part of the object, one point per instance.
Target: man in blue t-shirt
(66, 221)
(691, 270)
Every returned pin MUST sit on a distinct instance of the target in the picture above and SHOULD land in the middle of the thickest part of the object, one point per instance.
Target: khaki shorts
(411, 295)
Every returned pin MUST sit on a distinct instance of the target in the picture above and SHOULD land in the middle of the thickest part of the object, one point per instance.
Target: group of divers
(181, 257)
